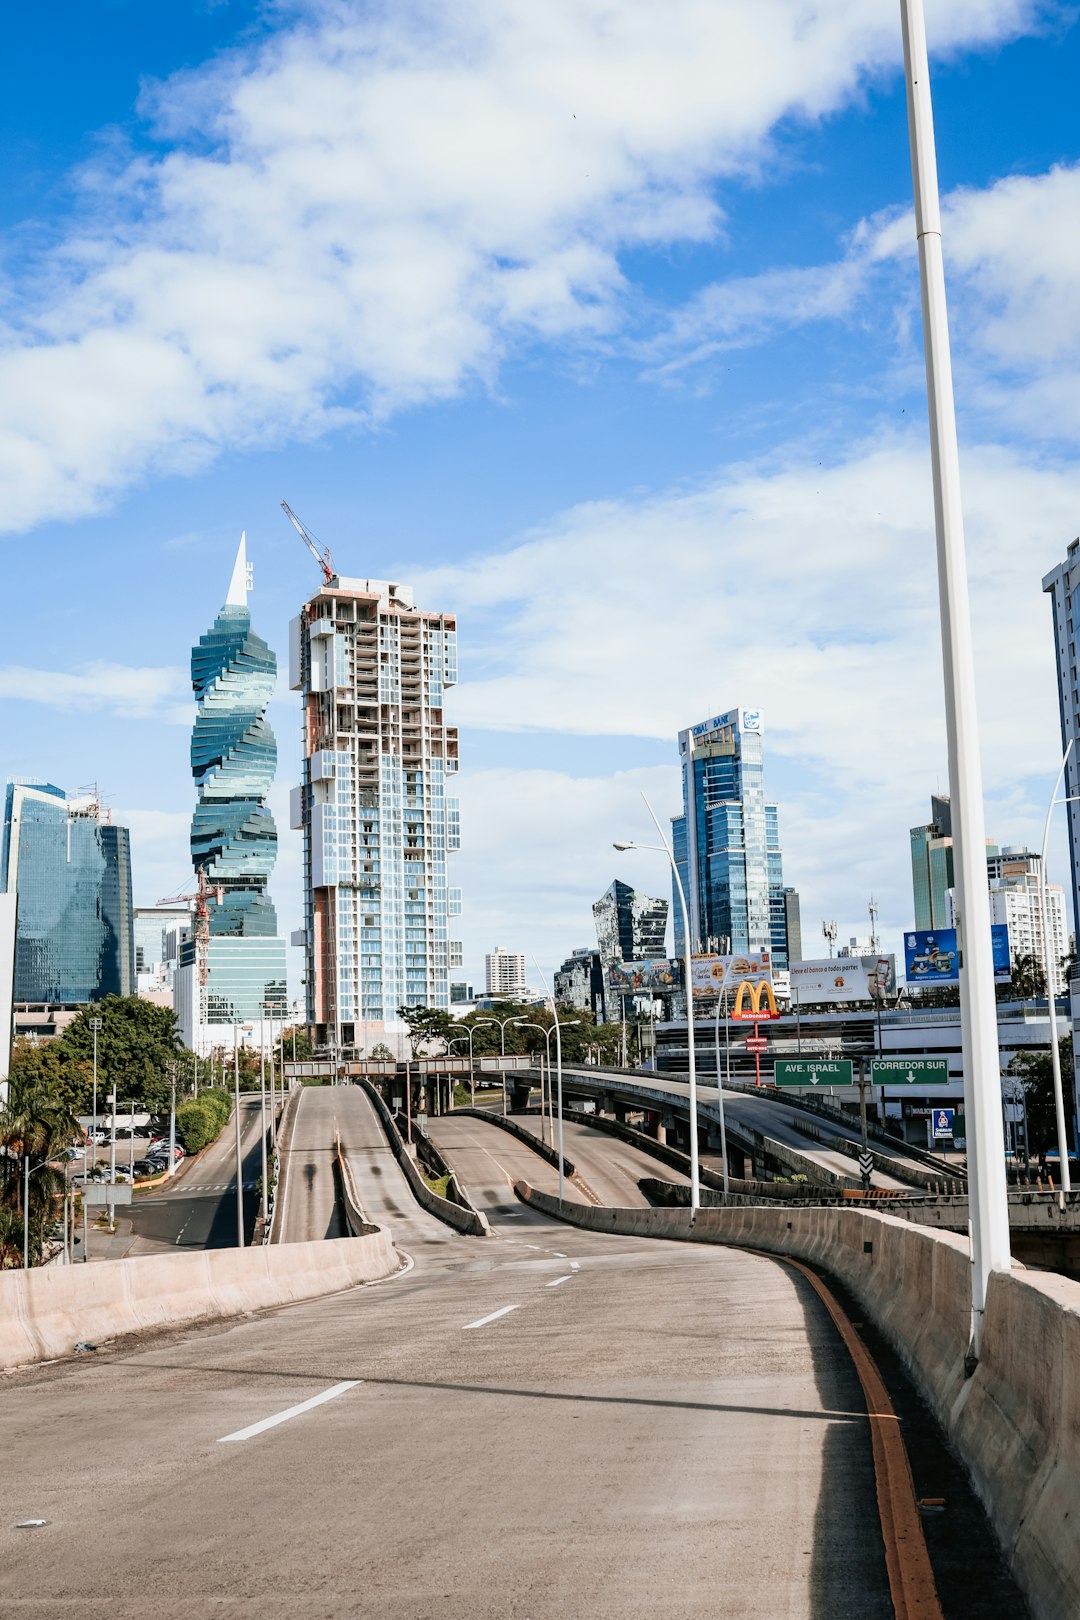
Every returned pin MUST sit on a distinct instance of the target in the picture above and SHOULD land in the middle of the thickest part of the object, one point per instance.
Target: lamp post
(721, 1001)
(1051, 996)
(112, 1162)
(568, 1023)
(262, 1109)
(239, 1150)
(978, 1008)
(664, 848)
(95, 1026)
(502, 1023)
(28, 1171)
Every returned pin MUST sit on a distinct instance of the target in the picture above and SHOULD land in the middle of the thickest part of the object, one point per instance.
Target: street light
(722, 1001)
(502, 1023)
(28, 1171)
(239, 1150)
(978, 1007)
(664, 848)
(95, 1025)
(567, 1023)
(112, 1161)
(1051, 996)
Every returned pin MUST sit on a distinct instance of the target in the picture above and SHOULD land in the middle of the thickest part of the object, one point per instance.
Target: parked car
(76, 1152)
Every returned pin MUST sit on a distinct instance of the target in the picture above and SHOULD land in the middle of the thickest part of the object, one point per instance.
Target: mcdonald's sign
(762, 1002)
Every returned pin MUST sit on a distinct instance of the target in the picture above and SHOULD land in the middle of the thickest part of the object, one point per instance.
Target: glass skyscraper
(239, 964)
(71, 873)
(630, 927)
(727, 841)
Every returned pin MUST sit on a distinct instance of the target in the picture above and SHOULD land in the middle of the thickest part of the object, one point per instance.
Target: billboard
(711, 975)
(843, 978)
(644, 978)
(931, 956)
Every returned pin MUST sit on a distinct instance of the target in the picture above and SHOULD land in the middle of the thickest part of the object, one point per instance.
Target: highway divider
(277, 1167)
(511, 1125)
(466, 1220)
(48, 1310)
(1013, 1416)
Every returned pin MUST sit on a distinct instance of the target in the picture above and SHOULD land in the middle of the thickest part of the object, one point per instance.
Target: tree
(136, 1044)
(426, 1024)
(37, 1125)
(305, 1051)
(48, 1065)
(1028, 978)
(1035, 1072)
(382, 1053)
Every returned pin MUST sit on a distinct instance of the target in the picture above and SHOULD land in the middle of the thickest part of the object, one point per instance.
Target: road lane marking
(484, 1320)
(555, 1283)
(290, 1412)
(574, 1266)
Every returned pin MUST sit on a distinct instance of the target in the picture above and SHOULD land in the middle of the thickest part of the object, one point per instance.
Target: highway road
(197, 1208)
(607, 1170)
(547, 1425)
(385, 1196)
(777, 1120)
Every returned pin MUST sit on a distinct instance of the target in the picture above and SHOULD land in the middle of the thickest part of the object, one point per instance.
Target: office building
(727, 841)
(1062, 584)
(505, 973)
(579, 984)
(793, 925)
(69, 867)
(630, 927)
(159, 933)
(234, 962)
(932, 865)
(374, 806)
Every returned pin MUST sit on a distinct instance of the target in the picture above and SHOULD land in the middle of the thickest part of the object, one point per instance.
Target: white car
(76, 1152)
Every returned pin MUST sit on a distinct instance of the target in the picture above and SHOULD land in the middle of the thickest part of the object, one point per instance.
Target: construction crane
(201, 895)
(323, 558)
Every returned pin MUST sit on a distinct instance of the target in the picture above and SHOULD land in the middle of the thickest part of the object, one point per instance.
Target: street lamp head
(624, 846)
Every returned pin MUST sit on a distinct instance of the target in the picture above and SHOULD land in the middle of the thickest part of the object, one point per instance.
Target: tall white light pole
(664, 848)
(567, 1023)
(502, 1023)
(1051, 998)
(239, 1150)
(721, 1001)
(978, 1010)
(95, 1027)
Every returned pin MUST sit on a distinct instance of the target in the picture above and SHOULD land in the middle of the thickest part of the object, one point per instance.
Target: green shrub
(201, 1120)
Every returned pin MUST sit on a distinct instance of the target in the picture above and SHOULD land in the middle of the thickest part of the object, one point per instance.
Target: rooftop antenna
(829, 930)
(323, 557)
(875, 943)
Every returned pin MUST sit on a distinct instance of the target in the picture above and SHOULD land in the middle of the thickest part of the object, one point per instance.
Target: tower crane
(323, 557)
(201, 895)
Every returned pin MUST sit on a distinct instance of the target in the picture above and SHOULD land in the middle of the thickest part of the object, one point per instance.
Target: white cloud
(132, 693)
(365, 211)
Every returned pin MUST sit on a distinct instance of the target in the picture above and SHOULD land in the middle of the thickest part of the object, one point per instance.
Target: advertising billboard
(710, 975)
(843, 978)
(931, 956)
(644, 978)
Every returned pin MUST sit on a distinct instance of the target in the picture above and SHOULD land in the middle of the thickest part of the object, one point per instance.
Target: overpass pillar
(520, 1092)
(656, 1128)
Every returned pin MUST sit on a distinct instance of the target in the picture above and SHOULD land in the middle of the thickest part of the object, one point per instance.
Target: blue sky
(598, 322)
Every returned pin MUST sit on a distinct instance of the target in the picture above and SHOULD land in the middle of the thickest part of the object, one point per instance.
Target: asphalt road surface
(196, 1209)
(606, 1168)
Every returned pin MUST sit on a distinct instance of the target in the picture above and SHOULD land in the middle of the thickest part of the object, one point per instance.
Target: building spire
(240, 583)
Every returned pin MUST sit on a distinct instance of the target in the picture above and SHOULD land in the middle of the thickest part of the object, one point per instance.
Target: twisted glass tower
(233, 836)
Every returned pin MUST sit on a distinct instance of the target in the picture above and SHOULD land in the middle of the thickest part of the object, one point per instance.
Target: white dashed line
(559, 1280)
(289, 1412)
(484, 1320)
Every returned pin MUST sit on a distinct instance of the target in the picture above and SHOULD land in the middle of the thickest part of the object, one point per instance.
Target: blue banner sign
(931, 956)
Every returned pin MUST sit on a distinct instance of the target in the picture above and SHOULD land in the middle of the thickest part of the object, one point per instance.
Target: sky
(598, 322)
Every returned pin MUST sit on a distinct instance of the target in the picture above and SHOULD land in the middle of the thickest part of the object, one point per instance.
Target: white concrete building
(1014, 901)
(374, 807)
(505, 973)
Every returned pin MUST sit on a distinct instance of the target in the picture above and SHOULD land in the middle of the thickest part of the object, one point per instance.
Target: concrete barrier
(48, 1310)
(1015, 1420)
(550, 1154)
(468, 1221)
(277, 1167)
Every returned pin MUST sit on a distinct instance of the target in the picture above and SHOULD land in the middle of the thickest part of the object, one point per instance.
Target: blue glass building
(71, 874)
(727, 841)
(233, 836)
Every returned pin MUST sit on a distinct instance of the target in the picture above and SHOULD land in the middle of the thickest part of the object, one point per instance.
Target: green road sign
(920, 1071)
(812, 1072)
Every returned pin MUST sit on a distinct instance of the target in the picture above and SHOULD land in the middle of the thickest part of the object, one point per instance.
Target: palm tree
(35, 1124)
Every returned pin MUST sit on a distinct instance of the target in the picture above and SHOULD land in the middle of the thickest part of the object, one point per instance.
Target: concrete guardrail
(1014, 1419)
(48, 1310)
(468, 1221)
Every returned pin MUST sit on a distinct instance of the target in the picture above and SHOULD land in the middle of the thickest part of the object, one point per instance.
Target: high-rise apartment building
(505, 972)
(159, 933)
(374, 807)
(630, 927)
(69, 867)
(727, 841)
(1013, 875)
(234, 965)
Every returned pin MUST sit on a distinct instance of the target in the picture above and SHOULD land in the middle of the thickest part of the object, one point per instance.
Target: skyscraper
(727, 841)
(630, 927)
(70, 870)
(1063, 586)
(505, 972)
(226, 976)
(932, 865)
(373, 806)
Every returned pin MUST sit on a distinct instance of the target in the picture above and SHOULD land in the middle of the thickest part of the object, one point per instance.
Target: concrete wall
(48, 1310)
(462, 1220)
(1015, 1420)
